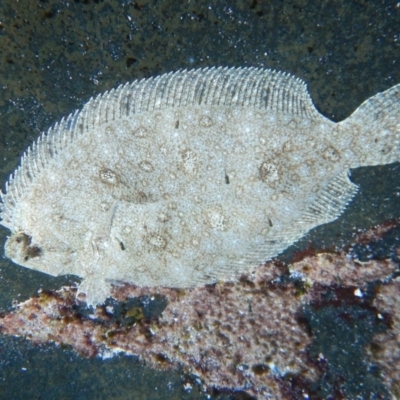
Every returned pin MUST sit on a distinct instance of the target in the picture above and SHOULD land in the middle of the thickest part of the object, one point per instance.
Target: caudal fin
(374, 129)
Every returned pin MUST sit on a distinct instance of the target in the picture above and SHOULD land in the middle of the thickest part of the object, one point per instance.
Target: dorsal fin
(229, 87)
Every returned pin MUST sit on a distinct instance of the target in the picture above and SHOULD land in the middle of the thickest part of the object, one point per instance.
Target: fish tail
(373, 130)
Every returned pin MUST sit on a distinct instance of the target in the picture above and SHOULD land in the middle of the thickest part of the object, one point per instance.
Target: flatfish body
(188, 178)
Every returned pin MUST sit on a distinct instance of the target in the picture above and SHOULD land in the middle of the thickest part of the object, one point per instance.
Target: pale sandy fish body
(188, 178)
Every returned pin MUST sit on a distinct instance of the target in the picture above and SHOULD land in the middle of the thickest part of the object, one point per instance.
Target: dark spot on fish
(227, 181)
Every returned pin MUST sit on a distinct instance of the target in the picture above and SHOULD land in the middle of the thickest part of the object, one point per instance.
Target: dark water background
(55, 55)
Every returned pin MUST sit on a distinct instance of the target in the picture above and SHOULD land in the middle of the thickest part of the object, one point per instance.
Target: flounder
(188, 178)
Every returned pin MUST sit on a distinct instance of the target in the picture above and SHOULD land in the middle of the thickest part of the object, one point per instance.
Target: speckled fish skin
(188, 178)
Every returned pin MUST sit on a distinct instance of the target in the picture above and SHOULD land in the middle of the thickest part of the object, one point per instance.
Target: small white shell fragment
(188, 178)
(358, 293)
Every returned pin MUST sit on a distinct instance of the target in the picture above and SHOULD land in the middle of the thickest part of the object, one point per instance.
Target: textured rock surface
(385, 349)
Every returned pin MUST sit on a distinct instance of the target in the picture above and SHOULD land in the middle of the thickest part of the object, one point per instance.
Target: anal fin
(331, 201)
